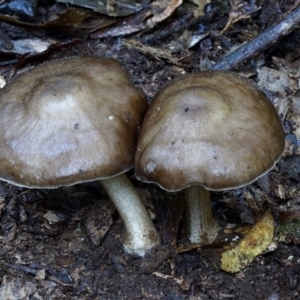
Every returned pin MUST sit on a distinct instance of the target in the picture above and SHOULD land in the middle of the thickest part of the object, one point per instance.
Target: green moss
(288, 233)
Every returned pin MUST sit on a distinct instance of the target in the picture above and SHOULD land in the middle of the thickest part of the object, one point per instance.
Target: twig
(262, 42)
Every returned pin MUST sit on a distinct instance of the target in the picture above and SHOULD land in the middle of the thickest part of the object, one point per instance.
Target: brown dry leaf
(32, 46)
(40, 275)
(273, 80)
(16, 288)
(199, 11)
(251, 202)
(2, 204)
(148, 17)
(70, 18)
(186, 248)
(162, 10)
(255, 242)
(124, 26)
(99, 221)
(54, 217)
(177, 280)
(148, 50)
(292, 68)
(200, 3)
(65, 260)
(116, 8)
(79, 18)
(284, 65)
(288, 216)
(240, 10)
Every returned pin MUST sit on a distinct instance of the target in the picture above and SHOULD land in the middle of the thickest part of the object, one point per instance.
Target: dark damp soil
(67, 243)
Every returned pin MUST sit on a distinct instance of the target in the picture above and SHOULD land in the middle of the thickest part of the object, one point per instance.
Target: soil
(67, 243)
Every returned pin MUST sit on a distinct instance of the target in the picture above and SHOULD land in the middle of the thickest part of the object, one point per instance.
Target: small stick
(260, 43)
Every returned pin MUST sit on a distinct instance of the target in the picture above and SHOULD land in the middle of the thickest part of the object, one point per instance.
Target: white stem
(141, 234)
(200, 223)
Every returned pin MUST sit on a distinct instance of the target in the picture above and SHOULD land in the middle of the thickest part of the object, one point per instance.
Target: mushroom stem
(141, 234)
(200, 225)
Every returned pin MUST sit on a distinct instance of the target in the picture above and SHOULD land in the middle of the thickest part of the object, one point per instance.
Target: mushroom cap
(69, 121)
(212, 128)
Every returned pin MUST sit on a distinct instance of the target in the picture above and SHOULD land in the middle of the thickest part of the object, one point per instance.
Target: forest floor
(49, 239)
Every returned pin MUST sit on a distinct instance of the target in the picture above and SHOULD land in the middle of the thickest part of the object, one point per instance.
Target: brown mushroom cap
(211, 128)
(68, 121)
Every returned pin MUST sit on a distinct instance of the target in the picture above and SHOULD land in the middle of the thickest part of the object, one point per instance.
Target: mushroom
(207, 131)
(75, 120)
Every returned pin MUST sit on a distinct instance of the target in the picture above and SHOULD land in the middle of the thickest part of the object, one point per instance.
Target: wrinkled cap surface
(69, 121)
(215, 129)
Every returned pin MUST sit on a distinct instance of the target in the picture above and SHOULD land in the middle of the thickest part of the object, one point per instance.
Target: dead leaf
(117, 8)
(240, 10)
(199, 11)
(288, 216)
(16, 288)
(273, 80)
(148, 50)
(255, 242)
(162, 10)
(69, 18)
(99, 221)
(124, 26)
(2, 204)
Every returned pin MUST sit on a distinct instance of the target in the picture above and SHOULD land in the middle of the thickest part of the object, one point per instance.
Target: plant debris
(255, 242)
(67, 243)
